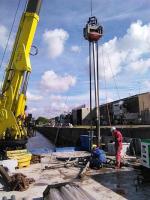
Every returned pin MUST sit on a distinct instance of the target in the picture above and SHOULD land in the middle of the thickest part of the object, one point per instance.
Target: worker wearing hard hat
(98, 157)
(118, 145)
(94, 146)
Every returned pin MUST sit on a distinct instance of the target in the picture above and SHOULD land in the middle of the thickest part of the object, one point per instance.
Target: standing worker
(118, 145)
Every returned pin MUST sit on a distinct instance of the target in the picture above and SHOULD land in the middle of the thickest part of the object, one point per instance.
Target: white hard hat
(113, 129)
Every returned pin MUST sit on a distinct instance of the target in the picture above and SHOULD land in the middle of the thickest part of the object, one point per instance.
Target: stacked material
(16, 182)
(69, 191)
(22, 156)
(19, 182)
(35, 159)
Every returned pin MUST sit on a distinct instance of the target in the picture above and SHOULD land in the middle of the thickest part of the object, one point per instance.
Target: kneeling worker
(98, 157)
(118, 145)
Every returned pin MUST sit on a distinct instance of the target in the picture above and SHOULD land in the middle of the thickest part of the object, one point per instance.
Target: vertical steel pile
(93, 32)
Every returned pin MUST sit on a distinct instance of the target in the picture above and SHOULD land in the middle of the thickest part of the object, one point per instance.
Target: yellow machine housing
(13, 95)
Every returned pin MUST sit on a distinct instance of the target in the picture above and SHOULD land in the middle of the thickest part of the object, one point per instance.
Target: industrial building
(131, 110)
(81, 116)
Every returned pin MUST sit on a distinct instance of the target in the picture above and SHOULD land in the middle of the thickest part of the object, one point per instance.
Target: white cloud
(32, 110)
(61, 107)
(147, 83)
(76, 100)
(33, 97)
(144, 86)
(56, 108)
(127, 52)
(55, 83)
(141, 65)
(1, 83)
(3, 36)
(111, 59)
(55, 40)
(71, 101)
(118, 17)
(76, 49)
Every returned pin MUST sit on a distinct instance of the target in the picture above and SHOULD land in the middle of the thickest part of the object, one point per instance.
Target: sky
(59, 80)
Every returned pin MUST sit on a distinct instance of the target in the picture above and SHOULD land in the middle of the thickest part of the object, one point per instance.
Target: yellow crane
(13, 133)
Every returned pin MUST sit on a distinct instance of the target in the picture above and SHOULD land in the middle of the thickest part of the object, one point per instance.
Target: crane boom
(13, 95)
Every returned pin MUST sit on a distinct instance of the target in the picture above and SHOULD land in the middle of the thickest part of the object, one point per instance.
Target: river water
(39, 145)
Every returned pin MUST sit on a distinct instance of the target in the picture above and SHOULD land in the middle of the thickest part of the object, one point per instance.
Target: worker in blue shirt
(98, 157)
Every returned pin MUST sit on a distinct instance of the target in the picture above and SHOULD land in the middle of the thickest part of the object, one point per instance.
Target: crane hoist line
(13, 132)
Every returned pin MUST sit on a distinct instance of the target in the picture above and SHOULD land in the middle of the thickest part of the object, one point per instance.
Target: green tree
(42, 120)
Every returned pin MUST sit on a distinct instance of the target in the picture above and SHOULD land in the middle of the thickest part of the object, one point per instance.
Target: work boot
(117, 165)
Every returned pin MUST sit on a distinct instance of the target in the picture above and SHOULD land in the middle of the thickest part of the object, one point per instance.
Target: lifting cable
(57, 133)
(10, 34)
(107, 107)
(113, 76)
(91, 7)
(11, 29)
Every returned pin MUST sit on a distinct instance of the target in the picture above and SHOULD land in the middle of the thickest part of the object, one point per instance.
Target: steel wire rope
(113, 76)
(105, 82)
(11, 29)
(58, 128)
(114, 79)
(16, 42)
(91, 7)
(26, 3)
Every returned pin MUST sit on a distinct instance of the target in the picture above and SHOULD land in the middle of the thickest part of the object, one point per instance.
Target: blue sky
(59, 79)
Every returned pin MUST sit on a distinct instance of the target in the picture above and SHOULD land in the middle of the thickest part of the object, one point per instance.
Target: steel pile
(70, 191)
